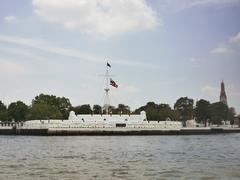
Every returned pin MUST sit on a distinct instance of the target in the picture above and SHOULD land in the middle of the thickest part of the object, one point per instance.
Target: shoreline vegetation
(46, 106)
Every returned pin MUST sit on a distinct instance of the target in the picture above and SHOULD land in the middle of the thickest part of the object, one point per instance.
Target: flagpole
(107, 89)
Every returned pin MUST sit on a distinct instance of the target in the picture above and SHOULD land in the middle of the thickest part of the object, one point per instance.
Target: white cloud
(236, 38)
(9, 19)
(98, 17)
(229, 47)
(221, 50)
(69, 52)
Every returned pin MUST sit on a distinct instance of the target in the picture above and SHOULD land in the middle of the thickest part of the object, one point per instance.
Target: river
(120, 157)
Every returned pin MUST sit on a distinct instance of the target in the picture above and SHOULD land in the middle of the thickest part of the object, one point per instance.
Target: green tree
(44, 111)
(121, 109)
(185, 107)
(219, 112)
(111, 110)
(202, 111)
(151, 111)
(167, 112)
(97, 109)
(158, 112)
(83, 109)
(62, 104)
(17, 111)
(3, 112)
(231, 115)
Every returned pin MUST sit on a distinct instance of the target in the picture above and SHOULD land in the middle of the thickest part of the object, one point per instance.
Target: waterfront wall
(120, 131)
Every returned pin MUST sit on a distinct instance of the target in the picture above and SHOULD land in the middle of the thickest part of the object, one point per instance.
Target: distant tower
(223, 96)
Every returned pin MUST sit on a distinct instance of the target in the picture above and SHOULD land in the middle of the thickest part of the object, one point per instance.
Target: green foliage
(97, 109)
(202, 111)
(51, 107)
(17, 111)
(44, 111)
(3, 112)
(121, 109)
(83, 109)
(62, 104)
(231, 114)
(184, 106)
(158, 112)
(219, 112)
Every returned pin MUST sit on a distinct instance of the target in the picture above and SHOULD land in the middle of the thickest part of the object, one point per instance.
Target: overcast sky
(160, 50)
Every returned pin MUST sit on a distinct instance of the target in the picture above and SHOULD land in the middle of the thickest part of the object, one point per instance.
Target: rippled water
(120, 157)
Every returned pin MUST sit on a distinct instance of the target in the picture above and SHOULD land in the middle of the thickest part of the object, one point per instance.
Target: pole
(107, 99)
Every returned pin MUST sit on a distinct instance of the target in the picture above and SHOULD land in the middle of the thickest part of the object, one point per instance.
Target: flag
(108, 64)
(113, 83)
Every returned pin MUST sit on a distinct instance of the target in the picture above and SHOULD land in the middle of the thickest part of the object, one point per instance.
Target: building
(223, 96)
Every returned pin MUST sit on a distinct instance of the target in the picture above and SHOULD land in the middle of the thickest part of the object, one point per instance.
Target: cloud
(222, 50)
(173, 6)
(229, 47)
(68, 52)
(10, 19)
(98, 17)
(236, 38)
(212, 2)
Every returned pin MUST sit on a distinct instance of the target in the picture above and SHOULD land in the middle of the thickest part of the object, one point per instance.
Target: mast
(107, 89)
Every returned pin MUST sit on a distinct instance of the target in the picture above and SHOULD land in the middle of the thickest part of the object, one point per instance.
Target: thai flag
(113, 83)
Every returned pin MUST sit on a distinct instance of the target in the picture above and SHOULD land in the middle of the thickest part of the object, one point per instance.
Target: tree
(231, 115)
(62, 104)
(121, 109)
(17, 111)
(44, 111)
(167, 112)
(3, 112)
(158, 112)
(111, 110)
(97, 109)
(219, 112)
(83, 109)
(185, 107)
(151, 111)
(202, 111)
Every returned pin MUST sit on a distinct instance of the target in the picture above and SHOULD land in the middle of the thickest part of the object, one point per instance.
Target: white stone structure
(103, 122)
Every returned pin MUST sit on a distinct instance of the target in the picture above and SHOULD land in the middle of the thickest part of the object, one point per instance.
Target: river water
(120, 157)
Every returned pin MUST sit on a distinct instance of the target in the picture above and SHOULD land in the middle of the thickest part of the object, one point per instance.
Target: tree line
(46, 106)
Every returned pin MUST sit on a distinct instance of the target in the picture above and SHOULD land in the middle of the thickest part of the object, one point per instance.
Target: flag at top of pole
(108, 64)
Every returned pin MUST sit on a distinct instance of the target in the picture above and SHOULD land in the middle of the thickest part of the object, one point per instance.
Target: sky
(159, 50)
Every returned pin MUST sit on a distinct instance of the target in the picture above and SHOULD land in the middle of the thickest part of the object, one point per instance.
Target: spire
(223, 96)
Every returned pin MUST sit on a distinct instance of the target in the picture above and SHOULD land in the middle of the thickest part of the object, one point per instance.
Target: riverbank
(115, 131)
